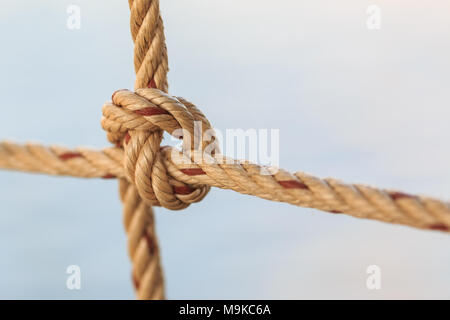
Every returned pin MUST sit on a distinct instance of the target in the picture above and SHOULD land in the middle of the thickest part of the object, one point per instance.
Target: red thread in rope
(109, 176)
(293, 184)
(127, 137)
(439, 227)
(182, 190)
(152, 84)
(150, 111)
(193, 171)
(70, 155)
(400, 195)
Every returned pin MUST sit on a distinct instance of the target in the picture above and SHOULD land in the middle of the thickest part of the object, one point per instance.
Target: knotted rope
(151, 67)
(138, 120)
(174, 178)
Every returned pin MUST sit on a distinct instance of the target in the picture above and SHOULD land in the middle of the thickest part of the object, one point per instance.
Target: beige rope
(175, 178)
(151, 66)
(131, 119)
(150, 52)
(151, 175)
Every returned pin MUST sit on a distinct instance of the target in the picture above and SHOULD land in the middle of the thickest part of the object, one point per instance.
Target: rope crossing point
(137, 120)
(151, 175)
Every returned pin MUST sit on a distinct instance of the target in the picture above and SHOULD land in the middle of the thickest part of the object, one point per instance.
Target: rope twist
(151, 175)
(136, 121)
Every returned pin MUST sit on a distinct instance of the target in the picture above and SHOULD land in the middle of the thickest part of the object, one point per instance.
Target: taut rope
(175, 178)
(164, 176)
(151, 67)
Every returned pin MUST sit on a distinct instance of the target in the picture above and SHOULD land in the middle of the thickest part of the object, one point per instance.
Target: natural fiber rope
(175, 184)
(151, 175)
(150, 51)
(151, 66)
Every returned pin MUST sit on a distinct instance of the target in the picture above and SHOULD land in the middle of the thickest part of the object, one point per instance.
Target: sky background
(350, 103)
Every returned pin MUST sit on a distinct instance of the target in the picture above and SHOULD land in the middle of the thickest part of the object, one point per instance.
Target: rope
(151, 67)
(150, 51)
(150, 175)
(176, 178)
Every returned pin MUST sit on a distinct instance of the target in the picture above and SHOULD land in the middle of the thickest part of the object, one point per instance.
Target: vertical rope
(151, 67)
(150, 51)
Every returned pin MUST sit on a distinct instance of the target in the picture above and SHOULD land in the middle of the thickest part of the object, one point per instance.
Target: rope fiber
(173, 178)
(151, 175)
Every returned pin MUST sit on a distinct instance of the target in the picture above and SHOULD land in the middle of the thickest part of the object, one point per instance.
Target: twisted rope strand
(175, 178)
(152, 175)
(150, 51)
(151, 67)
(299, 189)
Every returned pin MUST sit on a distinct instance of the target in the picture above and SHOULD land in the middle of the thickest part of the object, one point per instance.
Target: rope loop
(136, 121)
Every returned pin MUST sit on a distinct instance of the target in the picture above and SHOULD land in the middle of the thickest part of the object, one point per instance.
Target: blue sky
(359, 105)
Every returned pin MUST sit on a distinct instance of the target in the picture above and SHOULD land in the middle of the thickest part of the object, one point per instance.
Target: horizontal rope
(300, 189)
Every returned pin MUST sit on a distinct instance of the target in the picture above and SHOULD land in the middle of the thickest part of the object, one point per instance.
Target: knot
(136, 121)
